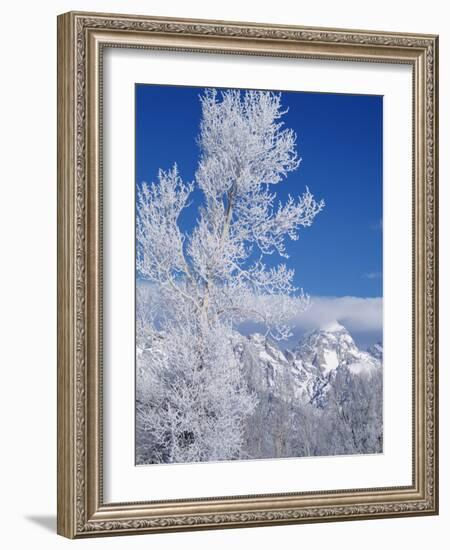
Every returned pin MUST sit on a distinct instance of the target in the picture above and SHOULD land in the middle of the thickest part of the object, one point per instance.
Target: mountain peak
(308, 370)
(328, 347)
(332, 326)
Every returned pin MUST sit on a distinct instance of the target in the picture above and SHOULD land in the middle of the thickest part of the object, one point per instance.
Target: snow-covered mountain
(376, 350)
(322, 397)
(306, 372)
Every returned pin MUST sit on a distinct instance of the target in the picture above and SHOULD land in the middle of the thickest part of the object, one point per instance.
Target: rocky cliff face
(323, 397)
(306, 372)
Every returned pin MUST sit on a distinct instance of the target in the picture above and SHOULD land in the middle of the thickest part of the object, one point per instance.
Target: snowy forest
(205, 390)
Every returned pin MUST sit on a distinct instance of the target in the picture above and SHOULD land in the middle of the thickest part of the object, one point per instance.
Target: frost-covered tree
(192, 400)
(353, 419)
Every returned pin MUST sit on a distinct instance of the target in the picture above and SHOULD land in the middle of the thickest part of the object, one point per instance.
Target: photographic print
(258, 274)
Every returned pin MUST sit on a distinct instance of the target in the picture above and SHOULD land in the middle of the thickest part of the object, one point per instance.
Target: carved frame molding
(81, 39)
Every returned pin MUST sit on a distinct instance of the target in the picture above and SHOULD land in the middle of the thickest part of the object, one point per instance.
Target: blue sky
(339, 138)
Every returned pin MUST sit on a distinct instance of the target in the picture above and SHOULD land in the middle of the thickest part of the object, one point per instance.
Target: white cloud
(373, 275)
(362, 317)
(356, 314)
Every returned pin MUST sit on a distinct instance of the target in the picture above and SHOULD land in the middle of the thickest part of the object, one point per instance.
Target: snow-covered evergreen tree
(192, 397)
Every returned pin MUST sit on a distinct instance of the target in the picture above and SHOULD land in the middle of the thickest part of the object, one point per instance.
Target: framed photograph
(247, 274)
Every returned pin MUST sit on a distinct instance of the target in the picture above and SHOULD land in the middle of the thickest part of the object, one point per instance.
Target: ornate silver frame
(81, 38)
